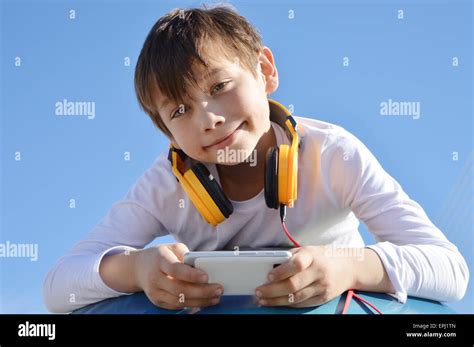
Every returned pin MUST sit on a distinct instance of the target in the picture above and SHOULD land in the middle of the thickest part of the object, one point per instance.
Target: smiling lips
(224, 141)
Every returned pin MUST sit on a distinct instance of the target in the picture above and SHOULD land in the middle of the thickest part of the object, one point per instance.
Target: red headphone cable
(350, 292)
(283, 219)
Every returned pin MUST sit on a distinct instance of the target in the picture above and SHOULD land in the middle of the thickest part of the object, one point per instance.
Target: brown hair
(178, 40)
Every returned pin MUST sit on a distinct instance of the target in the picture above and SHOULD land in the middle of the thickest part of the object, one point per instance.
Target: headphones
(281, 173)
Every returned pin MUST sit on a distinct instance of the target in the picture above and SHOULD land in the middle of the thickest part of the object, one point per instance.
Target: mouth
(226, 140)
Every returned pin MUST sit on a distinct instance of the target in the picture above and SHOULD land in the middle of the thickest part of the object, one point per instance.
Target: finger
(190, 290)
(314, 301)
(299, 262)
(181, 302)
(172, 266)
(179, 249)
(165, 305)
(155, 298)
(293, 298)
(288, 286)
(294, 250)
(162, 304)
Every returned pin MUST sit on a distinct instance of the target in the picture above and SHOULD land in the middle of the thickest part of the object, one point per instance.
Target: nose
(210, 117)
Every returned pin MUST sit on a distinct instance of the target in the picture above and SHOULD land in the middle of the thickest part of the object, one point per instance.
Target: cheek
(190, 143)
(251, 103)
(261, 113)
(182, 138)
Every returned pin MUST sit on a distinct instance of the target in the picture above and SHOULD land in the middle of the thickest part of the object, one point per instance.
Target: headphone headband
(282, 116)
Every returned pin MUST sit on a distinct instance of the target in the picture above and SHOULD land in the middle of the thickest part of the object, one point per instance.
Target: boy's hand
(171, 284)
(309, 278)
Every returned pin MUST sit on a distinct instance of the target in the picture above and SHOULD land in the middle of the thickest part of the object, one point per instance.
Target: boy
(203, 76)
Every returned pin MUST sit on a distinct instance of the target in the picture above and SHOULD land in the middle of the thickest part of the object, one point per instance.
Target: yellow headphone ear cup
(283, 173)
(201, 188)
(292, 176)
(201, 198)
(214, 190)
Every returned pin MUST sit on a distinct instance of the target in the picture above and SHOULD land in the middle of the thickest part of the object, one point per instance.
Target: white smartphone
(239, 272)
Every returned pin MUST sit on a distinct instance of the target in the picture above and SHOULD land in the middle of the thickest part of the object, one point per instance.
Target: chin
(228, 163)
(236, 156)
(224, 164)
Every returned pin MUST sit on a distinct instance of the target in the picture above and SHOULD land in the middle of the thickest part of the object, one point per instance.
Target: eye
(181, 110)
(218, 87)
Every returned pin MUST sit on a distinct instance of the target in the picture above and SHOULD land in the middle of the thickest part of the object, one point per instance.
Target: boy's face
(229, 103)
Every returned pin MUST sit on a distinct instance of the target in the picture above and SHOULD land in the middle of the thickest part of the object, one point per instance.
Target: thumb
(179, 249)
(294, 250)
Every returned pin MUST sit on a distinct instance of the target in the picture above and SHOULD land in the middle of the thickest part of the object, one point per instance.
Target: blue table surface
(138, 303)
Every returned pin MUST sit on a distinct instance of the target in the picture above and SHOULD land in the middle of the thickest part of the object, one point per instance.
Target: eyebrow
(211, 73)
(166, 102)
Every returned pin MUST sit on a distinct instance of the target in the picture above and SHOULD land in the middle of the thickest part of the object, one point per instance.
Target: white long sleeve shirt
(339, 183)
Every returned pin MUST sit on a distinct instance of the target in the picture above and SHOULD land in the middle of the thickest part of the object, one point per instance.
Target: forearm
(427, 271)
(118, 271)
(369, 273)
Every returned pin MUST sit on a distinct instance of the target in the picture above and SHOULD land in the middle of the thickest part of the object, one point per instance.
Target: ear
(268, 70)
(173, 142)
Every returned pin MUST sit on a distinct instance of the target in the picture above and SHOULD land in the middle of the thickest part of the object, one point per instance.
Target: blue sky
(82, 59)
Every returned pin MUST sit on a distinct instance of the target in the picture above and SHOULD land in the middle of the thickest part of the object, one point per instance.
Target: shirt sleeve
(418, 258)
(74, 281)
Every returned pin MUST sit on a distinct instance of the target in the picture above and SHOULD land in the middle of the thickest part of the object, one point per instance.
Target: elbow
(461, 279)
(52, 297)
(449, 277)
